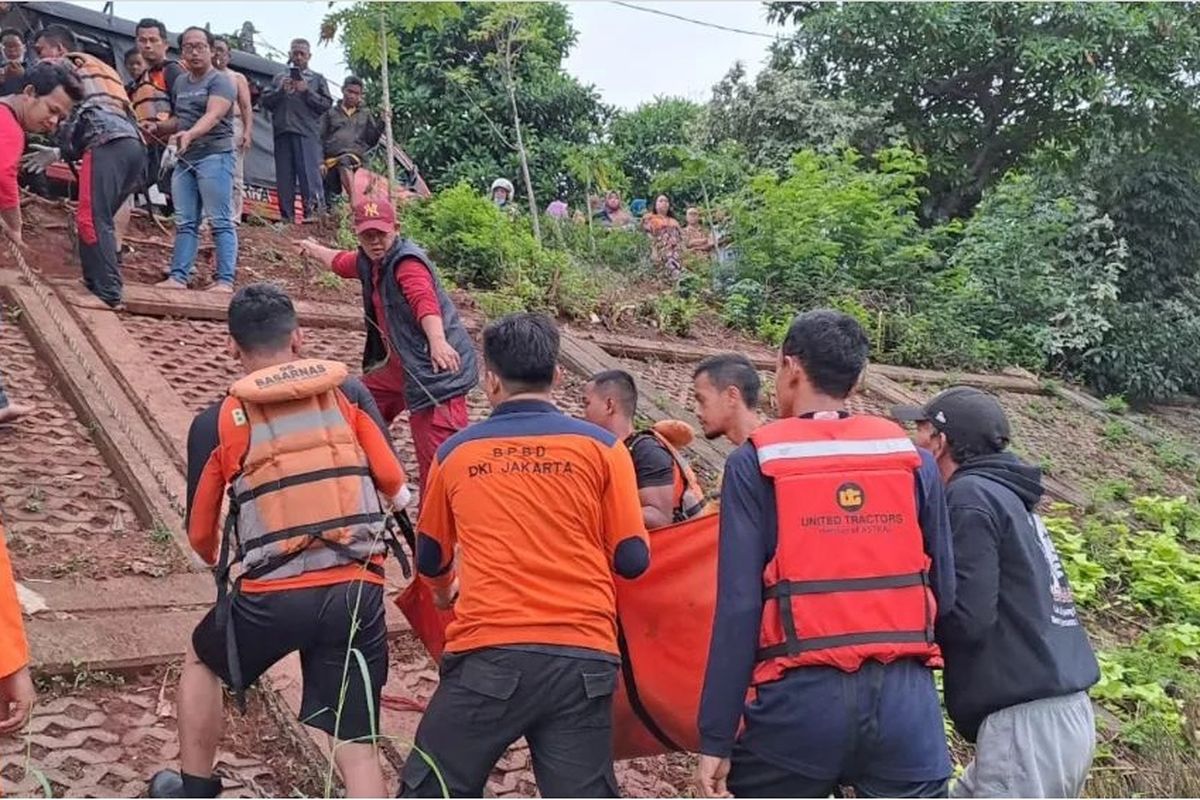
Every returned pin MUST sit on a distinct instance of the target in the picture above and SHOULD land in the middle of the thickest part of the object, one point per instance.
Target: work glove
(39, 157)
(166, 167)
(402, 498)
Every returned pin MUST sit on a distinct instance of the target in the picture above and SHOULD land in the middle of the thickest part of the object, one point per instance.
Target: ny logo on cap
(371, 210)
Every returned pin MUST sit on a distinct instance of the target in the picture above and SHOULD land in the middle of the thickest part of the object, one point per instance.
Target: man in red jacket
(48, 94)
(418, 354)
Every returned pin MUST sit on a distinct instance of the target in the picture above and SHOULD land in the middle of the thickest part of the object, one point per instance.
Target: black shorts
(316, 622)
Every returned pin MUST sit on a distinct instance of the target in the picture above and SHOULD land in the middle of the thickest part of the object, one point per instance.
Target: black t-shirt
(652, 463)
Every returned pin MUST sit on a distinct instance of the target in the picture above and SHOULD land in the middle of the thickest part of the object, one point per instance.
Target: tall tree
(648, 136)
(452, 109)
(780, 112)
(977, 86)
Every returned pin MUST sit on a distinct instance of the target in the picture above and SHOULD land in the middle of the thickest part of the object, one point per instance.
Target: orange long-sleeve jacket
(14, 650)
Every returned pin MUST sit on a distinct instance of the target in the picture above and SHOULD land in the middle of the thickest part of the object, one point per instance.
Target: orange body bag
(665, 620)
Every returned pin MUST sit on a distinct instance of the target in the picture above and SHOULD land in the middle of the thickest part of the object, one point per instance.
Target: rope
(46, 297)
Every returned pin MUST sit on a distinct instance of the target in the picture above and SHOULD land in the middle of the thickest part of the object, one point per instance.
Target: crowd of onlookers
(669, 240)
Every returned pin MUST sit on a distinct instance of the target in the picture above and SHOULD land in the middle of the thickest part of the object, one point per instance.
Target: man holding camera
(297, 99)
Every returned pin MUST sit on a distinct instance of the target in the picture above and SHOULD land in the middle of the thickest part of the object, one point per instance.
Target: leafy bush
(1042, 265)
(481, 247)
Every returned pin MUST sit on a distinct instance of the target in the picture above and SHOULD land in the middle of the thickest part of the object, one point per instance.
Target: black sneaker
(166, 783)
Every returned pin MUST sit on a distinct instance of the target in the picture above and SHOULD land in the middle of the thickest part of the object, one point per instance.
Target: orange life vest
(688, 498)
(304, 499)
(102, 86)
(151, 97)
(849, 581)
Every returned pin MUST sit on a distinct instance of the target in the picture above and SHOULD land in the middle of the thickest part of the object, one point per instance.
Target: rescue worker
(833, 560)
(726, 389)
(103, 136)
(17, 694)
(152, 96)
(1018, 661)
(300, 450)
(348, 131)
(46, 99)
(418, 355)
(667, 486)
(528, 515)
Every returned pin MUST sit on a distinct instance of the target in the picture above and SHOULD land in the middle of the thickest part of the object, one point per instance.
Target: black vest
(423, 388)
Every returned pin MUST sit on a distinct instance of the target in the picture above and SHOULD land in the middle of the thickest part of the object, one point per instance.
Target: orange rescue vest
(102, 86)
(849, 581)
(688, 499)
(304, 499)
(151, 97)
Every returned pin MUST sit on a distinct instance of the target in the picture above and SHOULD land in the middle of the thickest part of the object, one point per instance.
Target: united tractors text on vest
(688, 497)
(304, 499)
(849, 581)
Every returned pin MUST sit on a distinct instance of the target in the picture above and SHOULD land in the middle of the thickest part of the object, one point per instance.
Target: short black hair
(130, 53)
(302, 41)
(732, 369)
(59, 34)
(522, 349)
(208, 37)
(833, 348)
(353, 80)
(151, 22)
(223, 40)
(261, 318)
(12, 32)
(46, 76)
(619, 384)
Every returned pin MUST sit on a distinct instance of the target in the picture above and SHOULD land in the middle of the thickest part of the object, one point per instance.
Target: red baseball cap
(374, 215)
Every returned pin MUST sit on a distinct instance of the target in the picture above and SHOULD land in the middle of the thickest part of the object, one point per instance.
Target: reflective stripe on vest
(849, 580)
(864, 447)
(304, 499)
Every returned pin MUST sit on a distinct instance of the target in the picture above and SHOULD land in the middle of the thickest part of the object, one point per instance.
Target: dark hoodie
(1013, 635)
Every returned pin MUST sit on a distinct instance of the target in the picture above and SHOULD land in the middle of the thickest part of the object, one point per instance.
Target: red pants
(429, 427)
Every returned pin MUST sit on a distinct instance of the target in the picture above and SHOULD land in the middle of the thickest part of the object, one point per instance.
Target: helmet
(502, 183)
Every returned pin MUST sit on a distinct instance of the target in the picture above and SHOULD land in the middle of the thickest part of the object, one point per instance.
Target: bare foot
(170, 283)
(13, 412)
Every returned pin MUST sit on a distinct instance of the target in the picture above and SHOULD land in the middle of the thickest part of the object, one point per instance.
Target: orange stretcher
(664, 627)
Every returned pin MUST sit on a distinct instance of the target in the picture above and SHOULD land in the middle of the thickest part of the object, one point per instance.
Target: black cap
(969, 417)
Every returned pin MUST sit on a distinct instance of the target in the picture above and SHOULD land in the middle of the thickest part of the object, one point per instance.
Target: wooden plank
(123, 641)
(83, 382)
(160, 405)
(77, 596)
(683, 352)
(187, 304)
(10, 277)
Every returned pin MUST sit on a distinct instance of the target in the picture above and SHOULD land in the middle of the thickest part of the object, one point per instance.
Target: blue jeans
(198, 187)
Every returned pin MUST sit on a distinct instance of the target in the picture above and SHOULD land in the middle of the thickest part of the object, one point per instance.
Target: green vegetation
(983, 185)
(1138, 563)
